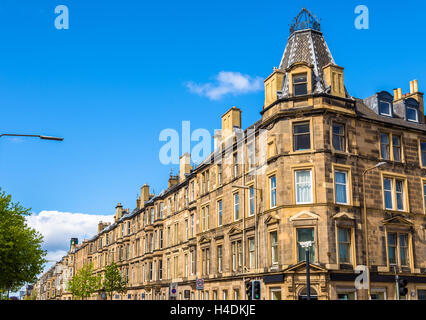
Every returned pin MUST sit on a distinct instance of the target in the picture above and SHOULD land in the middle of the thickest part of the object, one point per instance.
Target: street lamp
(307, 245)
(31, 136)
(366, 225)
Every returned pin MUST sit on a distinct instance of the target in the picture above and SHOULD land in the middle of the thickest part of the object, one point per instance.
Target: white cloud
(58, 228)
(227, 82)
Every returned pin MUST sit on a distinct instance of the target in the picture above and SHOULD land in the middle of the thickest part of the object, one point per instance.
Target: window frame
(236, 206)
(344, 137)
(422, 141)
(300, 83)
(315, 244)
(394, 178)
(409, 247)
(348, 172)
(219, 211)
(272, 190)
(390, 114)
(274, 248)
(391, 146)
(295, 192)
(251, 201)
(293, 135)
(350, 248)
(416, 111)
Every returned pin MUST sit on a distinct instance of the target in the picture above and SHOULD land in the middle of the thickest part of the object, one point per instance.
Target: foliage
(114, 281)
(21, 255)
(32, 296)
(84, 283)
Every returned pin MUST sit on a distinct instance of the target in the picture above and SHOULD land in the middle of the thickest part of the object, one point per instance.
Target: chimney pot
(415, 86)
(399, 93)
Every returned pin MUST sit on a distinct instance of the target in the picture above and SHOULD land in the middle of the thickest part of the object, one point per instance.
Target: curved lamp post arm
(31, 136)
(367, 260)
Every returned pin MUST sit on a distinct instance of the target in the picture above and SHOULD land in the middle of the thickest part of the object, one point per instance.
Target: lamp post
(307, 245)
(366, 225)
(31, 136)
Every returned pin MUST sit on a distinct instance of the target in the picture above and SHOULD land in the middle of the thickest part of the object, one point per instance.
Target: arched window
(303, 294)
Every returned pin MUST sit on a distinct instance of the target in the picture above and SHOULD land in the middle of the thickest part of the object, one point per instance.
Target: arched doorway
(303, 294)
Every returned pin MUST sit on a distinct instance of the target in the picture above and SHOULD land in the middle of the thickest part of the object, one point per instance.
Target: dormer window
(411, 110)
(385, 108)
(300, 84)
(412, 114)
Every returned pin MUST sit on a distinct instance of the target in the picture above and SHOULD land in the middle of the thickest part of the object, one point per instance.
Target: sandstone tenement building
(242, 218)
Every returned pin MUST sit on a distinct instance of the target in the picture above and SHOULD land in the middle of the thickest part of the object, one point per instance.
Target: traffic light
(256, 290)
(402, 284)
(249, 290)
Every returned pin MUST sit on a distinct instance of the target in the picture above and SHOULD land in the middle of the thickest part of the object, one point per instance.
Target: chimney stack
(395, 94)
(118, 211)
(418, 96)
(144, 195)
(102, 226)
(230, 120)
(173, 180)
(217, 138)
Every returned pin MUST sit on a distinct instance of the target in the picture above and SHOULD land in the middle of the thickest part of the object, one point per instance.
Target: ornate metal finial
(305, 20)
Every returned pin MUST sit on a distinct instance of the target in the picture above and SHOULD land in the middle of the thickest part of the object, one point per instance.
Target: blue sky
(118, 76)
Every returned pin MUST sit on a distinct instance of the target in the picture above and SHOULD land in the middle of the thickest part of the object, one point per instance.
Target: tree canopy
(84, 283)
(114, 281)
(21, 254)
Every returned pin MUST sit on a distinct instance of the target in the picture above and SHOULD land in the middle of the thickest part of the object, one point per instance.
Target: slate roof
(306, 44)
(364, 111)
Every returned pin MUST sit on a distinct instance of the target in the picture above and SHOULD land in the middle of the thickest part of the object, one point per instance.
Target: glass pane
(300, 78)
(300, 89)
(276, 294)
(392, 247)
(301, 128)
(302, 142)
(411, 114)
(423, 148)
(385, 108)
(424, 192)
(403, 245)
(384, 146)
(337, 143)
(304, 235)
(346, 296)
(338, 129)
(303, 186)
(399, 195)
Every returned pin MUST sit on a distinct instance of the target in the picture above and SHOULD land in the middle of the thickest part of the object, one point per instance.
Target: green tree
(84, 283)
(113, 280)
(21, 255)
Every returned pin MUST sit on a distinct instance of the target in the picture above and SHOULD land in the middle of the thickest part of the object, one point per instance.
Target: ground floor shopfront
(285, 285)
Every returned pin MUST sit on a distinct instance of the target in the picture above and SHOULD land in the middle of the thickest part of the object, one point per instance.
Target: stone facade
(192, 230)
